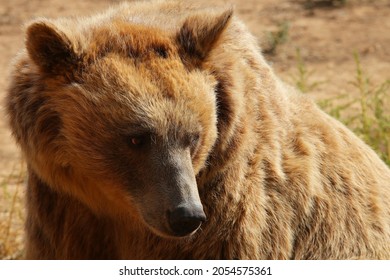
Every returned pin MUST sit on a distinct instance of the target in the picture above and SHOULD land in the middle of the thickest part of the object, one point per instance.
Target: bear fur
(152, 104)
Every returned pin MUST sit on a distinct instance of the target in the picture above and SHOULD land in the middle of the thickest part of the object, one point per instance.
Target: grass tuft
(365, 112)
(12, 214)
(276, 38)
(302, 79)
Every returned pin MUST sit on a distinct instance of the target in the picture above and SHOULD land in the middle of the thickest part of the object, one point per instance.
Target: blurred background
(336, 51)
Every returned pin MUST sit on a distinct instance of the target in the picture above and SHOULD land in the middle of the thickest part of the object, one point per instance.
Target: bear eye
(193, 143)
(137, 141)
(195, 139)
(192, 140)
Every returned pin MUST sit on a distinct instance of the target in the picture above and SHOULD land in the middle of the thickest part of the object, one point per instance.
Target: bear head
(122, 116)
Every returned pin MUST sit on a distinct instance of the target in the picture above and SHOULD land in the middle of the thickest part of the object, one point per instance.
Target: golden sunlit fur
(277, 177)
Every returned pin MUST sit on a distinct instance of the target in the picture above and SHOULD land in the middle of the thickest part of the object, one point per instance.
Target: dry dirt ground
(327, 36)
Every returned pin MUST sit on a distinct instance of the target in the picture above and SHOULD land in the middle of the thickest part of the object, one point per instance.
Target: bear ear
(199, 33)
(50, 48)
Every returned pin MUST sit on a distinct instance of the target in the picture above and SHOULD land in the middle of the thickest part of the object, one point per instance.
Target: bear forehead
(145, 78)
(137, 58)
(129, 39)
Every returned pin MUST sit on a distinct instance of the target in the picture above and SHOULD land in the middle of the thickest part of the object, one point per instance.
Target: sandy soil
(327, 37)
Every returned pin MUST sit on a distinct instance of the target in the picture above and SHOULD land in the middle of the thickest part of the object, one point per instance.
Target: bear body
(156, 130)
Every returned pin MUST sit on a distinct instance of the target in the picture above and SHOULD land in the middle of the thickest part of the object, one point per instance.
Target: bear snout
(185, 219)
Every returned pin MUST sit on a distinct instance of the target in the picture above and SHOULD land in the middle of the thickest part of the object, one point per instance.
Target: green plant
(373, 122)
(276, 38)
(11, 214)
(303, 76)
(366, 113)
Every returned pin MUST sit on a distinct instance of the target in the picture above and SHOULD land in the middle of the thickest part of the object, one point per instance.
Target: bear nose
(183, 220)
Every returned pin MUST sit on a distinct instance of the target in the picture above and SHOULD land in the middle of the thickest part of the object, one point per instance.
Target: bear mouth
(167, 234)
(180, 233)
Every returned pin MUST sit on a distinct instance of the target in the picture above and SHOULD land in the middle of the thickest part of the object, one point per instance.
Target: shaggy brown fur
(277, 178)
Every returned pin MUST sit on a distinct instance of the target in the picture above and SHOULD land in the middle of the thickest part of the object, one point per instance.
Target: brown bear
(156, 130)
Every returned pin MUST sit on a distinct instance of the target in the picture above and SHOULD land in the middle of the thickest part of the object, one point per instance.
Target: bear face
(127, 116)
